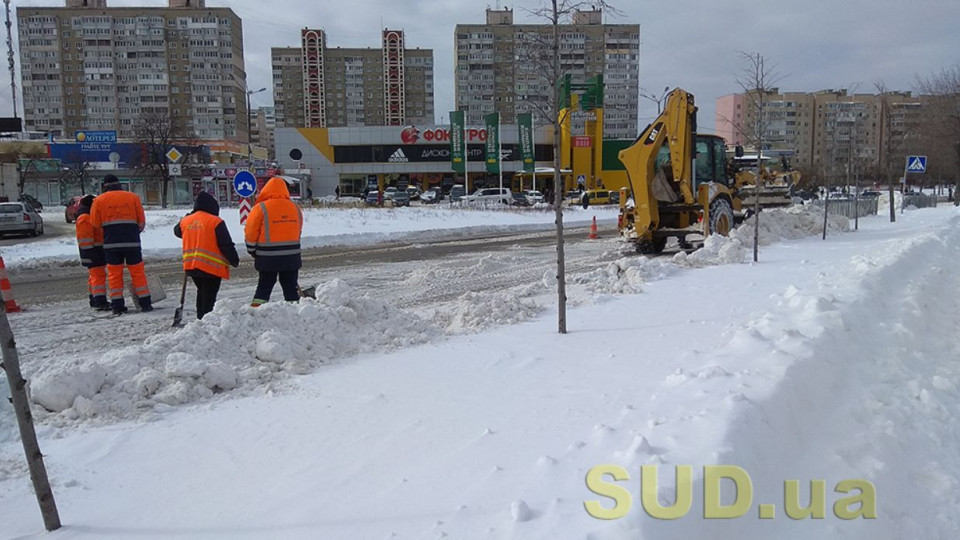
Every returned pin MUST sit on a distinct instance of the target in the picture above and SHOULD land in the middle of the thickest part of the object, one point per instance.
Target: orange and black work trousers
(97, 285)
(133, 258)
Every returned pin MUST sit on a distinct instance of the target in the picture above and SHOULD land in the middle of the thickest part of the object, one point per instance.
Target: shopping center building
(355, 158)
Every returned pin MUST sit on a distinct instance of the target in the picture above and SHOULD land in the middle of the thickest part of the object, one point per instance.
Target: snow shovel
(178, 313)
(308, 292)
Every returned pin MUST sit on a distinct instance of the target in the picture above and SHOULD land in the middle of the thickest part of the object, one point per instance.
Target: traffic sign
(244, 210)
(174, 169)
(917, 164)
(174, 155)
(245, 183)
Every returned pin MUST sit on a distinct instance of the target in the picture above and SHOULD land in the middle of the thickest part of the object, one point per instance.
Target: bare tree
(27, 157)
(157, 131)
(540, 54)
(75, 170)
(941, 117)
(757, 80)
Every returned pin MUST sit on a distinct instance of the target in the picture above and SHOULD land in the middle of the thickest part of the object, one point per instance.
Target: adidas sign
(398, 157)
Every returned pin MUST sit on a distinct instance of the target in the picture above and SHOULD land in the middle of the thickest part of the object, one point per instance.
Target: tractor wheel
(721, 217)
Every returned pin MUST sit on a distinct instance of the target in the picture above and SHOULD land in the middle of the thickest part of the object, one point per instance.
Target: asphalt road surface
(56, 284)
(53, 226)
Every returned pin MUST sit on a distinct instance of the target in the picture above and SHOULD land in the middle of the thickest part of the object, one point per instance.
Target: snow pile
(478, 311)
(234, 347)
(625, 275)
(776, 225)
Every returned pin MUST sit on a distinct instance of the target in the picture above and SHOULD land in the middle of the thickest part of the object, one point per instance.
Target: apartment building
(88, 66)
(823, 130)
(500, 67)
(262, 131)
(317, 85)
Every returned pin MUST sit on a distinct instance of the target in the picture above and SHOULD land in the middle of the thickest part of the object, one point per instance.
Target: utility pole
(13, 70)
(658, 100)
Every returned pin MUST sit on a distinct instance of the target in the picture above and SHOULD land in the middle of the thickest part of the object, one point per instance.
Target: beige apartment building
(824, 130)
(496, 70)
(316, 85)
(88, 66)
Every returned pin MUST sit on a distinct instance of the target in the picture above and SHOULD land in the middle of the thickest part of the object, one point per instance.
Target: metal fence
(851, 208)
(919, 200)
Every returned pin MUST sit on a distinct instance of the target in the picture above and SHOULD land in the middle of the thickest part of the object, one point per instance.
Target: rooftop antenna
(13, 70)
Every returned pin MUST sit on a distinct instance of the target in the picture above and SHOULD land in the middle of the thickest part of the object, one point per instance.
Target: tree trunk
(558, 179)
(21, 406)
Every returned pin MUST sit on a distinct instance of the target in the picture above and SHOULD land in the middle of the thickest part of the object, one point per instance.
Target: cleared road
(58, 284)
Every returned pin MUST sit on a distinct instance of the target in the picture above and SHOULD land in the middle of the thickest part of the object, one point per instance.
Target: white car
(533, 197)
(490, 195)
(20, 218)
(388, 193)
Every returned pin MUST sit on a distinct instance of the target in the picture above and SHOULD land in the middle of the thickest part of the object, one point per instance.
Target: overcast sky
(809, 45)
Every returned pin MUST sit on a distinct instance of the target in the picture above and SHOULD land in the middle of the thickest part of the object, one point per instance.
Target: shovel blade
(177, 316)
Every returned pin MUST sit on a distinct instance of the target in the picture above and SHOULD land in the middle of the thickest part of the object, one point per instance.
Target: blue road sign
(245, 183)
(917, 164)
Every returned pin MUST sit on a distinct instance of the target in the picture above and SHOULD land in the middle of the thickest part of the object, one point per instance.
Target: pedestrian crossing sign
(917, 164)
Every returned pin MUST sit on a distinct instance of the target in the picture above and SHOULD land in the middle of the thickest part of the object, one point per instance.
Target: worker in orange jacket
(272, 233)
(119, 215)
(90, 242)
(208, 250)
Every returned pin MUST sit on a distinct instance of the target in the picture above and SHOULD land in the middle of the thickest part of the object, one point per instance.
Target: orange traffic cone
(8, 302)
(593, 230)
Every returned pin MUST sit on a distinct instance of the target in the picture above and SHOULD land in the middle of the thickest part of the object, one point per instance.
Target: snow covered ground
(323, 226)
(368, 414)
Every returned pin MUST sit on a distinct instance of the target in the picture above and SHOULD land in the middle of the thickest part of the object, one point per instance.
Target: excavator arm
(676, 127)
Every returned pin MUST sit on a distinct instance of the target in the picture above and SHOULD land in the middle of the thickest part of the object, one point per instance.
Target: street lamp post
(654, 98)
(249, 125)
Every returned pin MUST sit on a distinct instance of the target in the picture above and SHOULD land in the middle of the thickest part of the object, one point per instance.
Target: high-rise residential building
(500, 67)
(316, 85)
(823, 130)
(264, 122)
(88, 66)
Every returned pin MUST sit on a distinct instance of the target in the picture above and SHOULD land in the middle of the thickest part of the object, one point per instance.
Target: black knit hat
(110, 179)
(87, 201)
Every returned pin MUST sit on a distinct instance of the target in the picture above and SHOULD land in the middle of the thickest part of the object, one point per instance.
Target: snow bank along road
(421, 418)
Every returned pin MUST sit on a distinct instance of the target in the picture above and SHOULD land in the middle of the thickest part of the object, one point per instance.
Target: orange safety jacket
(273, 228)
(120, 214)
(200, 248)
(90, 242)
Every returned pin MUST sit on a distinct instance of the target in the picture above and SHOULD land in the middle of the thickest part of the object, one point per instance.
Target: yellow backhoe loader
(681, 182)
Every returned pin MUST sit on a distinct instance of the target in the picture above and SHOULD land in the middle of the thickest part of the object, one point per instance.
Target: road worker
(272, 233)
(119, 215)
(90, 242)
(208, 250)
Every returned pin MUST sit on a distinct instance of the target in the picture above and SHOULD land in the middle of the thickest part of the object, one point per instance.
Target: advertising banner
(525, 125)
(457, 142)
(492, 143)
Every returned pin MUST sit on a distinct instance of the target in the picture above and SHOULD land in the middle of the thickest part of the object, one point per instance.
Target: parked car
(414, 193)
(490, 195)
(431, 196)
(595, 196)
(457, 192)
(73, 206)
(400, 198)
(519, 199)
(869, 194)
(37, 205)
(389, 192)
(372, 197)
(20, 218)
(533, 196)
